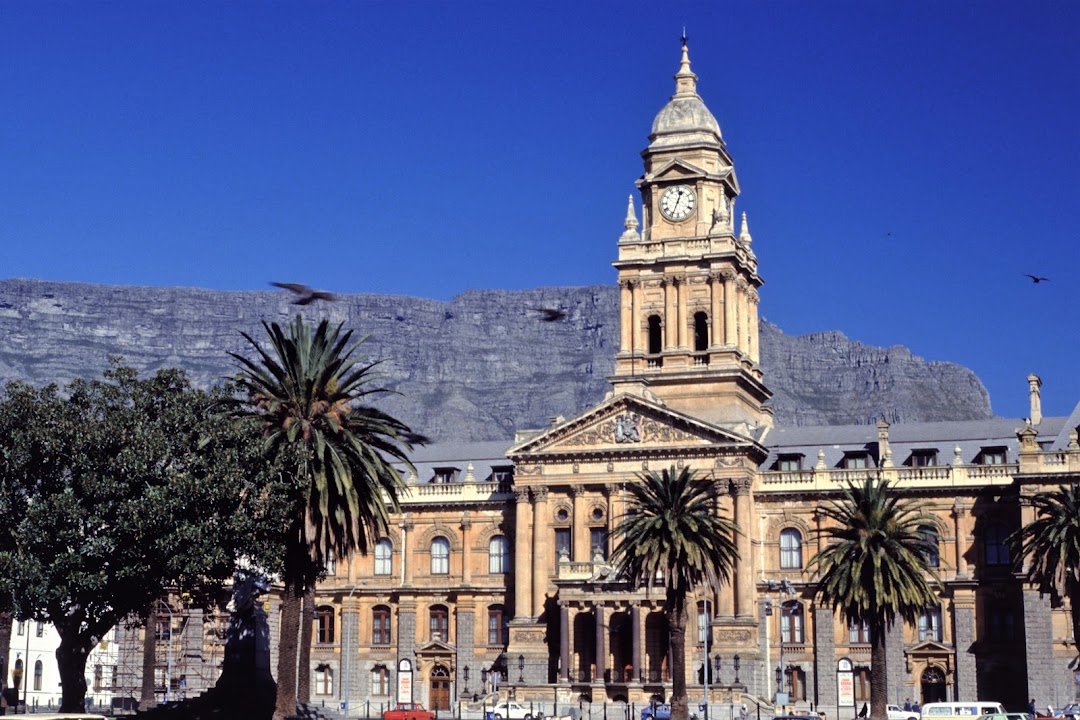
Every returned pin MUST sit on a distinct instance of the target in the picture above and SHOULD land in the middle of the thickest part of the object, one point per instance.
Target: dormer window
(992, 456)
(923, 458)
(856, 461)
(502, 474)
(445, 475)
(789, 463)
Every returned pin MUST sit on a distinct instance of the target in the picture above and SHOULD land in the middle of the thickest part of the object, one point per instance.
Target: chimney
(1034, 383)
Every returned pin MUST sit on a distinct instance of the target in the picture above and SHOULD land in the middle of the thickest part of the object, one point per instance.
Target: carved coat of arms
(628, 428)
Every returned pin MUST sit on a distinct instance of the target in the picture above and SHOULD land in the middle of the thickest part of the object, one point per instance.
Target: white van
(960, 710)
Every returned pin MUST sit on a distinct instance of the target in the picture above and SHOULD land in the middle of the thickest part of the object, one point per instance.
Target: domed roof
(685, 117)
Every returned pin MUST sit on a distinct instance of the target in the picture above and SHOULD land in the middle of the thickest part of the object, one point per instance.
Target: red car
(409, 711)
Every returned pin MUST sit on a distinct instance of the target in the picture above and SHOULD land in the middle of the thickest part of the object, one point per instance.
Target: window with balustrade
(380, 625)
(791, 623)
(439, 623)
(324, 625)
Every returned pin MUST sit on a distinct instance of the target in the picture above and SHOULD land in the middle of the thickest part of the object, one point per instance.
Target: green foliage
(875, 566)
(307, 396)
(672, 528)
(118, 491)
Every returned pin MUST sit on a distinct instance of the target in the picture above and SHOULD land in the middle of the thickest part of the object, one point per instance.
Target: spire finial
(685, 79)
(631, 223)
(744, 234)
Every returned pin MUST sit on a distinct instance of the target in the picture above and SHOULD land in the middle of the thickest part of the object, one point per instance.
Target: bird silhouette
(306, 294)
(551, 314)
(1036, 279)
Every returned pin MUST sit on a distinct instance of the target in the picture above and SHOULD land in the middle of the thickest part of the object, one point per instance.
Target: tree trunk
(71, 662)
(879, 676)
(147, 697)
(303, 671)
(291, 602)
(676, 617)
(6, 620)
(1074, 613)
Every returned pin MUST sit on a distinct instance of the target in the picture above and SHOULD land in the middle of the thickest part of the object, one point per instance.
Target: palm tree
(1050, 546)
(672, 530)
(306, 394)
(875, 568)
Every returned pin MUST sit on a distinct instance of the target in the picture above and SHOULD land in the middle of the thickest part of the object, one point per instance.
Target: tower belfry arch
(689, 280)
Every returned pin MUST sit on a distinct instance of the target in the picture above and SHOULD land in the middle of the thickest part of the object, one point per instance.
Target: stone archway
(932, 685)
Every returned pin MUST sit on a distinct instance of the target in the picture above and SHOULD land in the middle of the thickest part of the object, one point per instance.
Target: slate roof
(484, 456)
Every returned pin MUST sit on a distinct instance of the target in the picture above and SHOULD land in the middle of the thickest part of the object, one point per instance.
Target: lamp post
(465, 672)
(735, 663)
(521, 668)
(784, 587)
(705, 659)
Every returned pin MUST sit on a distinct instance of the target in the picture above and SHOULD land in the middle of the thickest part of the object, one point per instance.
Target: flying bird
(551, 314)
(306, 294)
(1036, 279)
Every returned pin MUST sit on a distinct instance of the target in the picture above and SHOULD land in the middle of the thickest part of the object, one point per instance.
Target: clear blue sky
(902, 163)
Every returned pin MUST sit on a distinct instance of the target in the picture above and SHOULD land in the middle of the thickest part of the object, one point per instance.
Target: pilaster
(966, 685)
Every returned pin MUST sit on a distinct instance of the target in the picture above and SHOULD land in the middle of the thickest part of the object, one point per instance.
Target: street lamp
(521, 668)
(735, 662)
(784, 587)
(717, 663)
(705, 657)
(466, 673)
(169, 666)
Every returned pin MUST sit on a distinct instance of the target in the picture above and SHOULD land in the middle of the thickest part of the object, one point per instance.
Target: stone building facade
(496, 575)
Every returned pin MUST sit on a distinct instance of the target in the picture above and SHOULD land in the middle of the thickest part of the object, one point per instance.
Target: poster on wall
(845, 684)
(404, 681)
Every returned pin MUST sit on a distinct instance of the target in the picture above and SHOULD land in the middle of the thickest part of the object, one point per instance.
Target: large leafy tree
(875, 568)
(672, 529)
(1049, 547)
(309, 395)
(121, 490)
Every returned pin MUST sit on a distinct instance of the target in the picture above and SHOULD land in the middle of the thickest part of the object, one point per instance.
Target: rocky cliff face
(475, 368)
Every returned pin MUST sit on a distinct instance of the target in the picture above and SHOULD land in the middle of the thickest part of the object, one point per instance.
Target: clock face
(677, 202)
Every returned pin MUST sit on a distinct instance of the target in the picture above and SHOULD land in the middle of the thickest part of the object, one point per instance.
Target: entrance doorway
(933, 685)
(440, 688)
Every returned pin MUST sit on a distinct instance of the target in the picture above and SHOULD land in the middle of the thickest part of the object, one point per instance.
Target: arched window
(384, 557)
(499, 555)
(440, 556)
(791, 623)
(701, 332)
(324, 680)
(324, 625)
(38, 669)
(440, 623)
(380, 625)
(656, 344)
(930, 539)
(498, 630)
(790, 548)
(995, 539)
(380, 680)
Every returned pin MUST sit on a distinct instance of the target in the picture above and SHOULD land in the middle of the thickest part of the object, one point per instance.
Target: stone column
(539, 550)
(964, 637)
(466, 543)
(522, 554)
(405, 527)
(350, 650)
(626, 316)
(744, 573)
(671, 338)
(579, 550)
(729, 307)
(564, 642)
(1042, 668)
(895, 666)
(683, 291)
(600, 612)
(716, 290)
(740, 314)
(638, 337)
(752, 323)
(406, 636)
(825, 657)
(959, 511)
(635, 640)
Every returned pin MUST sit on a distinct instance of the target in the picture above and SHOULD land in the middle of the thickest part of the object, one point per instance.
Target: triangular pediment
(436, 647)
(625, 423)
(677, 170)
(930, 647)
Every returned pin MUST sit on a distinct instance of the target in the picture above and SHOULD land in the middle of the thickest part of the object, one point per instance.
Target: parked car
(898, 713)
(408, 711)
(510, 710)
(660, 711)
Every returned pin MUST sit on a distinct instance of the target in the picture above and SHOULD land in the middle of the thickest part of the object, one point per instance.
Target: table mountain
(474, 368)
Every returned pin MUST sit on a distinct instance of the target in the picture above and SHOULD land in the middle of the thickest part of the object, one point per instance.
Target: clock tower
(688, 281)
